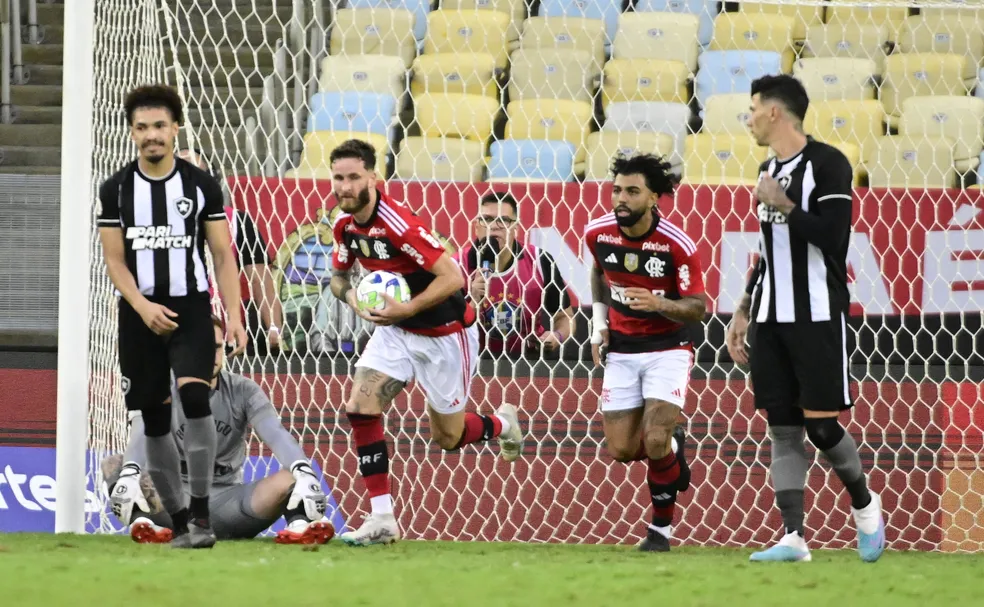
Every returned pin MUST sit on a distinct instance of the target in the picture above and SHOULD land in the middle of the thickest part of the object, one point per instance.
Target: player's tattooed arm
(600, 290)
(691, 308)
(341, 285)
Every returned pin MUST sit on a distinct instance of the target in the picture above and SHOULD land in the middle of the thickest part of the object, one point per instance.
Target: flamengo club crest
(183, 206)
(631, 262)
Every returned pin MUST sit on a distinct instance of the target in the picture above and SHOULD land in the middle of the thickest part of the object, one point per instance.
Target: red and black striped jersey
(395, 240)
(664, 261)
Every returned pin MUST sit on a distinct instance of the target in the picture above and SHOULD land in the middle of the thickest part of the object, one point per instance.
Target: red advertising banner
(912, 251)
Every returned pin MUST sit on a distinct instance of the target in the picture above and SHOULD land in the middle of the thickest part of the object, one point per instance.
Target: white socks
(666, 531)
(867, 518)
(505, 424)
(381, 504)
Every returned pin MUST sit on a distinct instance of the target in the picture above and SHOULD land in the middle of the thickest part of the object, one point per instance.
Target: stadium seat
(419, 8)
(469, 32)
(645, 80)
(516, 9)
(870, 12)
(551, 120)
(980, 84)
(456, 115)
(531, 159)
(803, 15)
(352, 111)
(959, 119)
(548, 73)
(726, 114)
(945, 34)
(317, 150)
(663, 36)
(852, 121)
(603, 146)
(750, 32)
(566, 33)
(911, 74)
(903, 161)
(853, 154)
(472, 73)
(848, 40)
(705, 10)
(827, 78)
(440, 159)
(963, 8)
(672, 119)
(373, 31)
(607, 11)
(722, 159)
(364, 73)
(732, 71)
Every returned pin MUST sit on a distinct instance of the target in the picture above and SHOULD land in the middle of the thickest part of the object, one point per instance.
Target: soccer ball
(374, 284)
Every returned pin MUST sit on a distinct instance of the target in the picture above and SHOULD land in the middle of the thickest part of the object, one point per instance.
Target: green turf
(102, 571)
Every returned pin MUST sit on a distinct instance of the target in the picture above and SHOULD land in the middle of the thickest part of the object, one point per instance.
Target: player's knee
(447, 440)
(824, 432)
(157, 419)
(194, 399)
(658, 424)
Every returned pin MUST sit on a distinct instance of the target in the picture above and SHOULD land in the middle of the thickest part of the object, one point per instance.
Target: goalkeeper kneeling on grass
(238, 510)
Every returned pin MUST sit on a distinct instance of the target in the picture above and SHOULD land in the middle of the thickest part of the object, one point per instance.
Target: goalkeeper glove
(307, 490)
(126, 493)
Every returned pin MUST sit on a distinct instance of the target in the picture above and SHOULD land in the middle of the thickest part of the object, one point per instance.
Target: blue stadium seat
(606, 10)
(705, 9)
(980, 84)
(720, 72)
(419, 8)
(533, 159)
(352, 111)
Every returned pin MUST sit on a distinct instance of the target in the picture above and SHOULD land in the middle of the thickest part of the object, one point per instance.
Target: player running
(238, 511)
(648, 269)
(432, 339)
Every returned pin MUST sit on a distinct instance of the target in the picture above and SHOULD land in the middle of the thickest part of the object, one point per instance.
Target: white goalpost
(461, 97)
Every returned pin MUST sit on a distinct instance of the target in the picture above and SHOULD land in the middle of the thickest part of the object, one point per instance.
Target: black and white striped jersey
(802, 273)
(163, 225)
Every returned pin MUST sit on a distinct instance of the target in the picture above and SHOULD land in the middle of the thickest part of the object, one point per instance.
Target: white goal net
(464, 97)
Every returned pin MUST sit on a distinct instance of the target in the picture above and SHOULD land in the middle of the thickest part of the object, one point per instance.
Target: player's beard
(351, 206)
(627, 221)
(157, 157)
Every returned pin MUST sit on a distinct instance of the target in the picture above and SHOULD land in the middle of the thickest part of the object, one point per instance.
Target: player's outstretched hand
(393, 313)
(307, 490)
(126, 494)
(735, 339)
(158, 317)
(236, 334)
(644, 300)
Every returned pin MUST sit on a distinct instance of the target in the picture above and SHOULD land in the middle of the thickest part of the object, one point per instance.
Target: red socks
(479, 428)
(370, 444)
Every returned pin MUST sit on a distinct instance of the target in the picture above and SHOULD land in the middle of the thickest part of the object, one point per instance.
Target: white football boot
(511, 442)
(791, 548)
(375, 529)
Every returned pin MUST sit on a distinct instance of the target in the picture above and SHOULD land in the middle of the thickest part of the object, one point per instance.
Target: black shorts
(801, 365)
(147, 359)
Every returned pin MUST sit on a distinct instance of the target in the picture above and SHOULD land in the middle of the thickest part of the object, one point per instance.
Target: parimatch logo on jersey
(155, 237)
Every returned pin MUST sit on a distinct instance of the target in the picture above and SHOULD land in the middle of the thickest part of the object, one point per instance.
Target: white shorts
(443, 366)
(632, 378)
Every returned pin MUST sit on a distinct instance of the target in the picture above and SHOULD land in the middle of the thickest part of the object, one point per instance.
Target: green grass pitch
(49, 570)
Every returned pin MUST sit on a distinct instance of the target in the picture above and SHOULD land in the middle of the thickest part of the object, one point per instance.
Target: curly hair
(154, 96)
(655, 169)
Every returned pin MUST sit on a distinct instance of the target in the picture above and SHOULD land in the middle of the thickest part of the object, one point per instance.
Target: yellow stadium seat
(516, 9)
(959, 119)
(726, 114)
(566, 33)
(658, 35)
(803, 15)
(941, 33)
(440, 159)
(722, 159)
(751, 32)
(903, 161)
(465, 31)
(973, 9)
(317, 151)
(549, 73)
(472, 73)
(380, 74)
(827, 78)
(551, 119)
(374, 31)
(645, 80)
(605, 145)
(871, 11)
(912, 74)
(852, 121)
(849, 40)
(456, 115)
